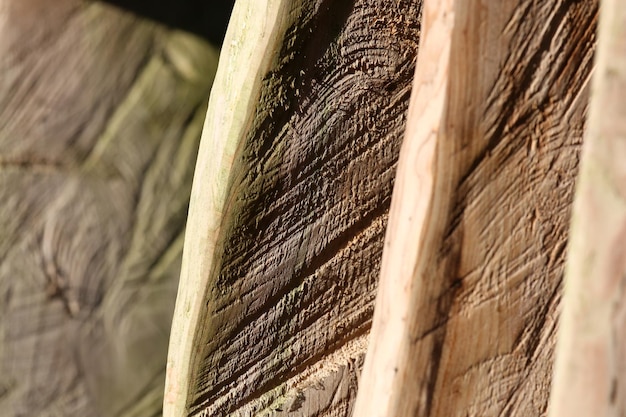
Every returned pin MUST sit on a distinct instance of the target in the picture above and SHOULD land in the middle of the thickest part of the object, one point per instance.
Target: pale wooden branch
(590, 371)
(411, 214)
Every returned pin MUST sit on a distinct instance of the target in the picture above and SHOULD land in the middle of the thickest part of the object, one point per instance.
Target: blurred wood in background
(100, 119)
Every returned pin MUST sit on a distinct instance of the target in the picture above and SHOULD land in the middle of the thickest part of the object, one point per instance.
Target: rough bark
(289, 208)
(470, 284)
(100, 118)
(590, 374)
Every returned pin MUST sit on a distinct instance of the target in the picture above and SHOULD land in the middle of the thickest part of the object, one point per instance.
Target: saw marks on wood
(100, 122)
(295, 270)
(481, 294)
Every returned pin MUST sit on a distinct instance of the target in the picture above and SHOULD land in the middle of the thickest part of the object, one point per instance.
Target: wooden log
(289, 208)
(100, 119)
(590, 370)
(470, 282)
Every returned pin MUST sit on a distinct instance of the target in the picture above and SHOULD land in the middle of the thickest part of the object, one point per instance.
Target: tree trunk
(590, 374)
(100, 118)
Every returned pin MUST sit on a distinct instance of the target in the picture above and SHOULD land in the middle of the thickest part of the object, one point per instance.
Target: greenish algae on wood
(249, 49)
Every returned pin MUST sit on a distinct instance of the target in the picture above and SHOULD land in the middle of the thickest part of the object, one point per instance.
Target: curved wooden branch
(412, 219)
(250, 47)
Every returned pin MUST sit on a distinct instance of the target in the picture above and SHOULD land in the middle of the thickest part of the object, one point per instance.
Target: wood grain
(100, 119)
(470, 282)
(281, 275)
(590, 370)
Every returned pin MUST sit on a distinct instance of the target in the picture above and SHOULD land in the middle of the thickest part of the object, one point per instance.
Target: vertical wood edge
(250, 45)
(410, 217)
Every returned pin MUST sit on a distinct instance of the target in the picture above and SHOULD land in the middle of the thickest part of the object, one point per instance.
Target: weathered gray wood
(590, 370)
(470, 284)
(284, 266)
(100, 118)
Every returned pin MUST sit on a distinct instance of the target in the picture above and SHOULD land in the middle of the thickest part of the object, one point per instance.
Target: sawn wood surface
(280, 267)
(467, 308)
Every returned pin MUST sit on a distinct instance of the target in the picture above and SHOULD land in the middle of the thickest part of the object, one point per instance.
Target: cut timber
(470, 282)
(590, 370)
(100, 120)
(289, 208)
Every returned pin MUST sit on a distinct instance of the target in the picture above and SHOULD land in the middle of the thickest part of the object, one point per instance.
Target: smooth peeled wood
(100, 119)
(470, 285)
(590, 370)
(289, 207)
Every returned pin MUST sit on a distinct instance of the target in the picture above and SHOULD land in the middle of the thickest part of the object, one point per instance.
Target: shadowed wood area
(470, 282)
(207, 19)
(279, 274)
(100, 119)
(590, 370)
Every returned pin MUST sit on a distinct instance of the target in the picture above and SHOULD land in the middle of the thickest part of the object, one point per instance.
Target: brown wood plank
(470, 282)
(100, 119)
(590, 370)
(285, 271)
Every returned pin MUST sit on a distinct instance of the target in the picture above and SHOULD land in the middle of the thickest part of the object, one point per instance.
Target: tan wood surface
(100, 119)
(471, 274)
(590, 370)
